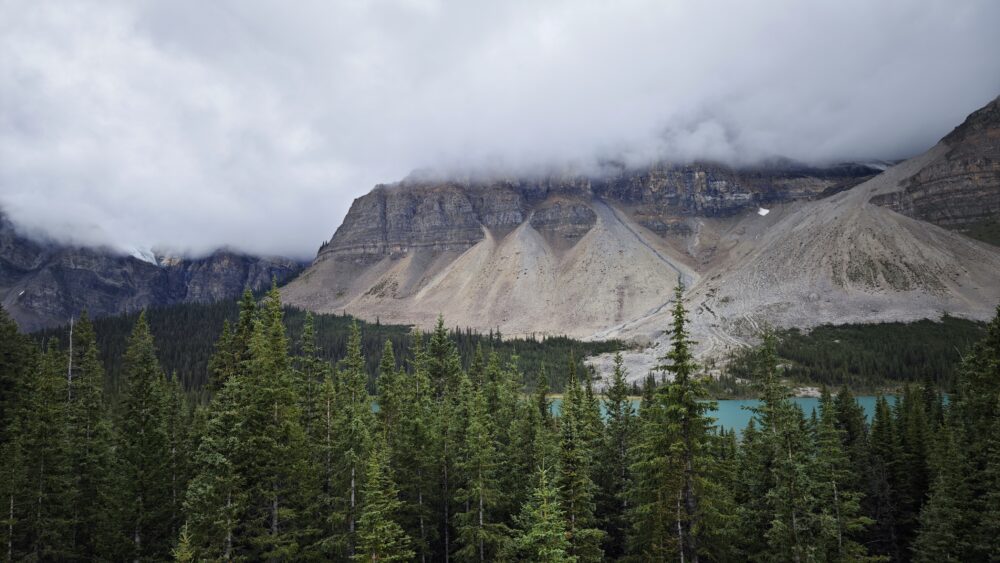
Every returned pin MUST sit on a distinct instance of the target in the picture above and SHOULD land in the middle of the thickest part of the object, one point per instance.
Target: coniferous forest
(287, 456)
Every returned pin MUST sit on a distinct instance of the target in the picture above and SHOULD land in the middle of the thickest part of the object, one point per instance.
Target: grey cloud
(188, 125)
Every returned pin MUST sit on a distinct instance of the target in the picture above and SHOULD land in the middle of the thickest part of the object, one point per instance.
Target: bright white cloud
(189, 125)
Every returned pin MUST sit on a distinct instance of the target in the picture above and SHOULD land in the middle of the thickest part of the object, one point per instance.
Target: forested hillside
(871, 356)
(290, 461)
(186, 336)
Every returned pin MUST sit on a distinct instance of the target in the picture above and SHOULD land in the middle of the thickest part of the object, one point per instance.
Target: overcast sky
(190, 124)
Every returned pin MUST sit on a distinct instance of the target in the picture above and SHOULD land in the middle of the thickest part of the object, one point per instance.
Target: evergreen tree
(49, 494)
(542, 398)
(956, 523)
(379, 536)
(310, 374)
(412, 450)
(215, 498)
(614, 475)
(914, 479)
(883, 483)
(946, 520)
(354, 423)
(144, 448)
(853, 429)
(671, 467)
(391, 392)
(176, 424)
(481, 534)
(576, 486)
(91, 440)
(184, 552)
(543, 536)
(17, 359)
(451, 385)
(13, 475)
(840, 522)
(278, 469)
(780, 471)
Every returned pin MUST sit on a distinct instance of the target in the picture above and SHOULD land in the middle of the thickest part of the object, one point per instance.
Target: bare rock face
(563, 223)
(599, 255)
(45, 284)
(453, 215)
(519, 252)
(961, 187)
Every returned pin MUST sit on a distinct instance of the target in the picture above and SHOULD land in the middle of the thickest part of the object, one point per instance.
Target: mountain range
(598, 254)
(44, 283)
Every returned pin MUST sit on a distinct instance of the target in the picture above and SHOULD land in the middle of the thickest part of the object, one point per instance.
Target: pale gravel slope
(838, 260)
(835, 260)
(616, 272)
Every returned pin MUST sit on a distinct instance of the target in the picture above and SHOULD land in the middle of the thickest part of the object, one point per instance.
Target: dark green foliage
(144, 447)
(188, 336)
(287, 458)
(380, 537)
(614, 475)
(17, 356)
(575, 478)
(871, 356)
(958, 521)
(542, 522)
(671, 473)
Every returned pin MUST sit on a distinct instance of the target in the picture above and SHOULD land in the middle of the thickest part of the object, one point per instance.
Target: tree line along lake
(736, 413)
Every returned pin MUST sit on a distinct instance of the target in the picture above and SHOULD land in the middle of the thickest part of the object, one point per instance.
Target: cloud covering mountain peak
(254, 125)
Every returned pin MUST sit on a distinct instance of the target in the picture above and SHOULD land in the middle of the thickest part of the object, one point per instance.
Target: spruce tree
(543, 536)
(379, 535)
(883, 483)
(412, 450)
(450, 384)
(576, 485)
(276, 462)
(144, 448)
(835, 479)
(49, 492)
(481, 533)
(17, 359)
(216, 495)
(91, 440)
(391, 393)
(614, 475)
(671, 465)
(354, 424)
(946, 521)
(780, 471)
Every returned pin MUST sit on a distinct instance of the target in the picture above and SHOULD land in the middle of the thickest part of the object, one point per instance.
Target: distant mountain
(44, 284)
(598, 256)
(959, 188)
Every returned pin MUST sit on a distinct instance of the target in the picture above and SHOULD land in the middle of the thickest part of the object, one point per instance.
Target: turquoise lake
(734, 413)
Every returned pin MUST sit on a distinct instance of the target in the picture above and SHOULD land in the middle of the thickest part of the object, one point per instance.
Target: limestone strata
(962, 185)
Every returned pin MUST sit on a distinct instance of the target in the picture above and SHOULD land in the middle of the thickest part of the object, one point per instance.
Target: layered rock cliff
(44, 284)
(960, 188)
(455, 215)
(566, 254)
(599, 255)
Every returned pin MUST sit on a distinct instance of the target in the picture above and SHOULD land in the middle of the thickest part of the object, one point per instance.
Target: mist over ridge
(136, 125)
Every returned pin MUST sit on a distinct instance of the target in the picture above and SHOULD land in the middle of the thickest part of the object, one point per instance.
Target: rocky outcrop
(516, 251)
(455, 215)
(563, 223)
(43, 284)
(599, 255)
(961, 186)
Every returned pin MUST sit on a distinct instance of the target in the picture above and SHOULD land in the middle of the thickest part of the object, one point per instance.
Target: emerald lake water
(735, 413)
